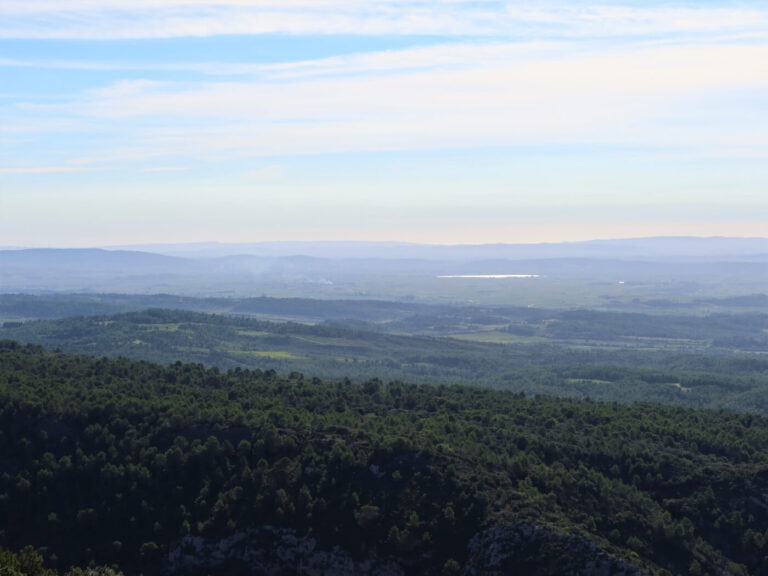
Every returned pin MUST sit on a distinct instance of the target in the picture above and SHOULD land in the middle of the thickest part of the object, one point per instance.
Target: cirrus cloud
(121, 19)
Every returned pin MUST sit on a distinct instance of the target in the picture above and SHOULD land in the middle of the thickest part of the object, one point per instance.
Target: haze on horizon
(438, 121)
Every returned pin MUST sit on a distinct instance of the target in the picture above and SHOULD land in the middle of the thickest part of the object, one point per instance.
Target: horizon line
(117, 247)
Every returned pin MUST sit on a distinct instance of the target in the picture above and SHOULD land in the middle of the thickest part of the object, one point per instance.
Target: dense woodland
(114, 462)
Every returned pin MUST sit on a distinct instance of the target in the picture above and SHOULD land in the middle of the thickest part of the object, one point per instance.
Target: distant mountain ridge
(64, 257)
(665, 247)
(668, 267)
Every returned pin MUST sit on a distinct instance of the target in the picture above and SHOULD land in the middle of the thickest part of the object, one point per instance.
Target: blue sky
(430, 121)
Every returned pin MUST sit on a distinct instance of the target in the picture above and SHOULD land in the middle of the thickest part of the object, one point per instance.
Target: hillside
(133, 464)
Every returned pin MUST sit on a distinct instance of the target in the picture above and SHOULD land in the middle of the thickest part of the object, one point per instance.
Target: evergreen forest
(110, 465)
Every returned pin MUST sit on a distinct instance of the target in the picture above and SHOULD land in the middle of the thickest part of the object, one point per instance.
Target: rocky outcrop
(270, 551)
(527, 548)
(534, 550)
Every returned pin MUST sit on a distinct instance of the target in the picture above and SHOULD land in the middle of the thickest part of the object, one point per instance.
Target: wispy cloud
(178, 18)
(477, 95)
(443, 55)
(650, 90)
(33, 6)
(164, 169)
(271, 172)
(38, 170)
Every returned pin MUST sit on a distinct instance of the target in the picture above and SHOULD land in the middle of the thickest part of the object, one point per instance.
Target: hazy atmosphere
(383, 288)
(125, 122)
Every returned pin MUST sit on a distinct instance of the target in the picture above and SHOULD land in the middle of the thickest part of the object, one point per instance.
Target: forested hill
(184, 469)
(736, 382)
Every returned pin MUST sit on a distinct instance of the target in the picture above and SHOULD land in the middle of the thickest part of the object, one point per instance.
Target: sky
(439, 121)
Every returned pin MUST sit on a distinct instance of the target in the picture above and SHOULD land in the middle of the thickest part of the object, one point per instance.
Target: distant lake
(492, 276)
